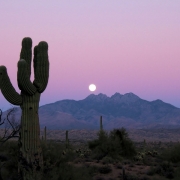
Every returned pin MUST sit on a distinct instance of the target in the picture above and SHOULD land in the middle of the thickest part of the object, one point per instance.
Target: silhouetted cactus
(67, 140)
(101, 126)
(45, 134)
(124, 174)
(30, 154)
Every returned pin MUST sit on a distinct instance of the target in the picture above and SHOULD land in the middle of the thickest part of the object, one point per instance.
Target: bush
(115, 144)
(65, 171)
(121, 143)
(164, 169)
(100, 146)
(9, 156)
(105, 169)
(172, 154)
(56, 165)
(107, 160)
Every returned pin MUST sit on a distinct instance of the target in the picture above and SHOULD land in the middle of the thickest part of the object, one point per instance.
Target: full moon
(92, 87)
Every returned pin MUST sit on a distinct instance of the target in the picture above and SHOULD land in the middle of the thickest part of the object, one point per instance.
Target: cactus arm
(1, 69)
(24, 67)
(24, 82)
(7, 88)
(41, 66)
(26, 53)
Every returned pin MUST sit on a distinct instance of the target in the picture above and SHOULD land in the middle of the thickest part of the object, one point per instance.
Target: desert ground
(153, 146)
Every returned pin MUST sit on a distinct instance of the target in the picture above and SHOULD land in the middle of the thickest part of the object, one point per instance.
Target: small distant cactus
(45, 134)
(67, 140)
(124, 174)
(144, 141)
(30, 153)
(101, 125)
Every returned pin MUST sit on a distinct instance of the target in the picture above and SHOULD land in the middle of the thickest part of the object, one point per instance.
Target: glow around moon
(92, 87)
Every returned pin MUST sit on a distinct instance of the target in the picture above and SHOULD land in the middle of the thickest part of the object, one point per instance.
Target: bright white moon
(92, 87)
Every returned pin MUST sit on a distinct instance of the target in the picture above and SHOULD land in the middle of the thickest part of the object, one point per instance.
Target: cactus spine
(101, 126)
(30, 161)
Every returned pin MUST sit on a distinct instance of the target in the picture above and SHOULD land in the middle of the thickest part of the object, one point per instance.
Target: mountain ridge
(128, 110)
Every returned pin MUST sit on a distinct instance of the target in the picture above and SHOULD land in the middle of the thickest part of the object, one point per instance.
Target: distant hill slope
(119, 110)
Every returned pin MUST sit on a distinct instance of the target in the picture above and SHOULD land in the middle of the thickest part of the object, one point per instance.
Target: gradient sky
(120, 45)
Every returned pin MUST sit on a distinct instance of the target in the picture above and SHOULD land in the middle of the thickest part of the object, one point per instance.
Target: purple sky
(121, 46)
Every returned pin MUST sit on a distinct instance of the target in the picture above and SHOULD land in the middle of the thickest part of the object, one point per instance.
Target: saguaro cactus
(45, 134)
(101, 125)
(67, 140)
(30, 152)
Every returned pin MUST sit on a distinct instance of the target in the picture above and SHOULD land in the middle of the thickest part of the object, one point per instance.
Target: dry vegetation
(137, 135)
(90, 156)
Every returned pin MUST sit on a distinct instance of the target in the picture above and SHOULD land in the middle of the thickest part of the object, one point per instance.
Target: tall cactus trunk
(30, 160)
(101, 126)
(67, 140)
(30, 152)
(45, 134)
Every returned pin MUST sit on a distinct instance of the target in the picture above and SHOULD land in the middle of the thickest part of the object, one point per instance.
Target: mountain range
(117, 111)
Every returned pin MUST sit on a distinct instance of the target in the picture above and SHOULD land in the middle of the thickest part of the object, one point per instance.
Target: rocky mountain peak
(119, 110)
(129, 97)
(102, 96)
(116, 97)
(99, 97)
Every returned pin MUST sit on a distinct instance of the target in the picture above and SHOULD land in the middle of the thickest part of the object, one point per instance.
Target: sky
(119, 45)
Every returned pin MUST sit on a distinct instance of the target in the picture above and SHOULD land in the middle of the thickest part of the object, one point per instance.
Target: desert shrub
(108, 160)
(121, 143)
(9, 157)
(100, 146)
(105, 169)
(100, 178)
(93, 170)
(177, 174)
(164, 169)
(172, 154)
(112, 145)
(57, 165)
(120, 138)
(135, 177)
(53, 155)
(65, 171)
(94, 144)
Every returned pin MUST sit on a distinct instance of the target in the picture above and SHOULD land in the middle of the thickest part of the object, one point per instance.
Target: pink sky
(121, 46)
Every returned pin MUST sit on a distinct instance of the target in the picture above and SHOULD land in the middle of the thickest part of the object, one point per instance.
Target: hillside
(119, 110)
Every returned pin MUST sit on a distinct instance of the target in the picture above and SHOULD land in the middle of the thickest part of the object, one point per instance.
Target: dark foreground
(100, 159)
